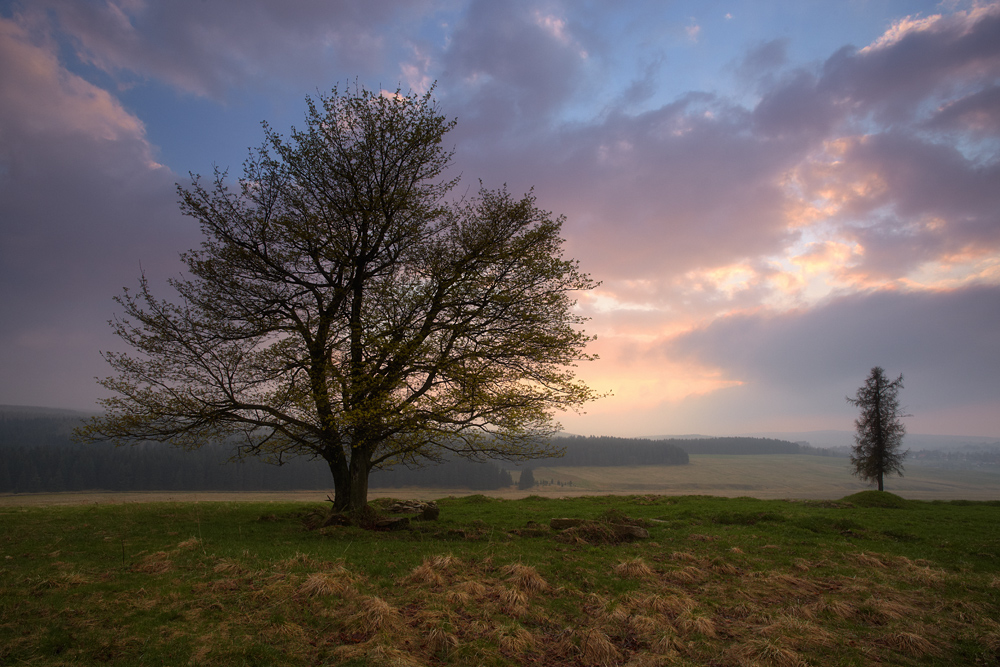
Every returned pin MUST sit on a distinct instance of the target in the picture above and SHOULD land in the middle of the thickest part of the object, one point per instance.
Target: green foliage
(344, 308)
(880, 432)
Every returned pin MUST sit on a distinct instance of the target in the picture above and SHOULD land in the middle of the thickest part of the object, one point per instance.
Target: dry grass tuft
(799, 632)
(154, 563)
(840, 608)
(298, 560)
(525, 578)
(515, 640)
(387, 656)
(634, 569)
(376, 616)
(691, 624)
(474, 589)
(642, 627)
(867, 560)
(722, 567)
(457, 598)
(702, 538)
(926, 576)
(684, 556)
(513, 601)
(792, 583)
(672, 606)
(911, 644)
(324, 583)
(190, 543)
(597, 649)
(759, 652)
(883, 610)
(426, 573)
(441, 641)
(687, 575)
(668, 643)
(995, 582)
(288, 630)
(227, 565)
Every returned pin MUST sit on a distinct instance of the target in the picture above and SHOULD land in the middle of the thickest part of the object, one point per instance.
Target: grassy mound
(877, 499)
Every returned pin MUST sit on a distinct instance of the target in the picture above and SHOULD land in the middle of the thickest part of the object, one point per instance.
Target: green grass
(867, 579)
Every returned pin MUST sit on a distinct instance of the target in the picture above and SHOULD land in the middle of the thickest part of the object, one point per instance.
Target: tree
(526, 480)
(880, 432)
(342, 307)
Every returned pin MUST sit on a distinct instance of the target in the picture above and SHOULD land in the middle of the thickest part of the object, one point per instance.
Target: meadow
(869, 578)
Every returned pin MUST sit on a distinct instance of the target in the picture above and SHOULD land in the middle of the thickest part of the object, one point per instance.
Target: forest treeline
(37, 454)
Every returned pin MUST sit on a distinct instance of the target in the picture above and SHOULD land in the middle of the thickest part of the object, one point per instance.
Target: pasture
(871, 578)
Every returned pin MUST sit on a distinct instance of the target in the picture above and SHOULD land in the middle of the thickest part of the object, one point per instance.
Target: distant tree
(343, 307)
(880, 432)
(527, 479)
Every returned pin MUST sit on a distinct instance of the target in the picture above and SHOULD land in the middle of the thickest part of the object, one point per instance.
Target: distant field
(777, 476)
(764, 476)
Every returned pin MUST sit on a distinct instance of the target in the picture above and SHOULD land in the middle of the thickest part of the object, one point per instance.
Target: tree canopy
(880, 432)
(344, 306)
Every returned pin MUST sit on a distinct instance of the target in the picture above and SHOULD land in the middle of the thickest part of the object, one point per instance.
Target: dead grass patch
(792, 583)
(724, 567)
(868, 560)
(227, 565)
(514, 640)
(513, 601)
(190, 543)
(798, 632)
(440, 641)
(689, 624)
(839, 608)
(375, 616)
(597, 649)
(884, 610)
(634, 569)
(687, 575)
(759, 652)
(154, 563)
(474, 589)
(525, 577)
(910, 643)
(326, 583)
(670, 605)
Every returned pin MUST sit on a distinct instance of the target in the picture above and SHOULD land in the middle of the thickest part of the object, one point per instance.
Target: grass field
(870, 579)
(777, 476)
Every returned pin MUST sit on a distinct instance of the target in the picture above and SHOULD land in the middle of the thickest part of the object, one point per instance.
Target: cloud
(943, 342)
(82, 202)
(510, 62)
(212, 48)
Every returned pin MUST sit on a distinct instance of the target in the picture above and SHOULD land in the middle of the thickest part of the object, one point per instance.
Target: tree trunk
(880, 480)
(358, 483)
(341, 486)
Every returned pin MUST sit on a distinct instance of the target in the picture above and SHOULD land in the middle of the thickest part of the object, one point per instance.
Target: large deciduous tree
(343, 306)
(880, 432)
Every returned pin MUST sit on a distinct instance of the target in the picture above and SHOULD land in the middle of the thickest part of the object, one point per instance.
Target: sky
(775, 195)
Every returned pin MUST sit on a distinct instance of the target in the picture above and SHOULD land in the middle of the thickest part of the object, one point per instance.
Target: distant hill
(28, 411)
(914, 441)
